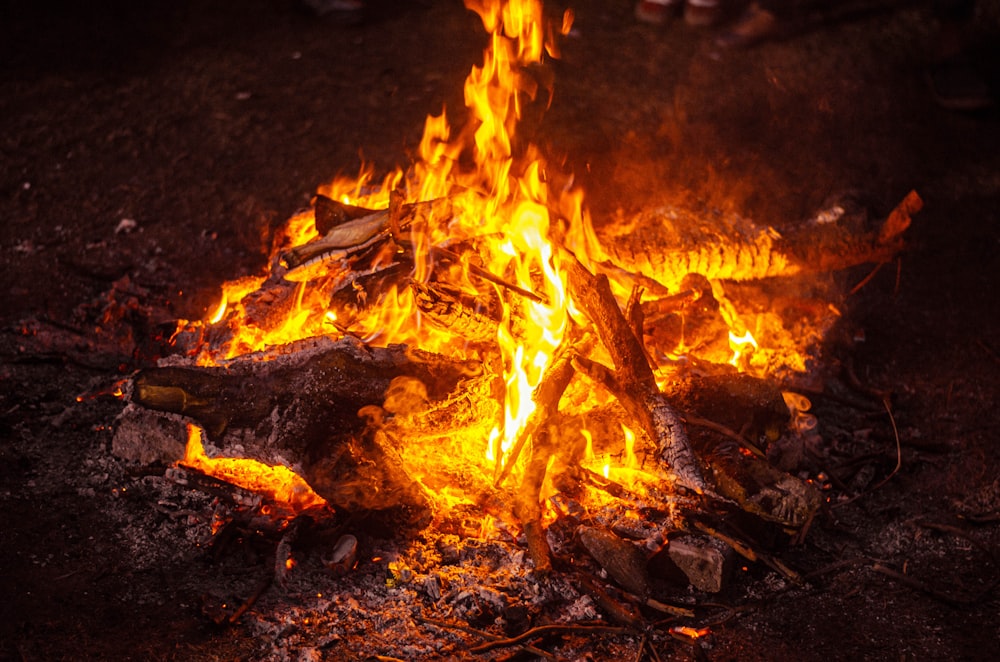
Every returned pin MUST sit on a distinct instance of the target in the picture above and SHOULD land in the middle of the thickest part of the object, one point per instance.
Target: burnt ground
(209, 123)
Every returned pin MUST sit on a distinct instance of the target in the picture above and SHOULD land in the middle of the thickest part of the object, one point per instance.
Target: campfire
(458, 349)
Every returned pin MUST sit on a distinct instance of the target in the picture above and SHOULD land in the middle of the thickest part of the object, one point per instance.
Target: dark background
(209, 123)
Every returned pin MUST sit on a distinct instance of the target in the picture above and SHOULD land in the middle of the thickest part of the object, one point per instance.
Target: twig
(745, 550)
(528, 648)
(642, 647)
(855, 383)
(652, 651)
(607, 485)
(867, 279)
(727, 432)
(988, 518)
(488, 275)
(664, 608)
(728, 613)
(252, 600)
(618, 611)
(543, 630)
(546, 396)
(899, 451)
(899, 462)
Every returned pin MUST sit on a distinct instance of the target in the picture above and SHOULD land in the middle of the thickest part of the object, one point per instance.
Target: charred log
(474, 318)
(301, 410)
(329, 213)
(366, 290)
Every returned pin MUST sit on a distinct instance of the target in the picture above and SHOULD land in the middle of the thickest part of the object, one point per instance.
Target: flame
(220, 311)
(501, 207)
(504, 215)
(687, 633)
(631, 461)
(741, 345)
(280, 484)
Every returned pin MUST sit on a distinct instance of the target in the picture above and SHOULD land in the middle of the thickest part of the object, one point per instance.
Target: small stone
(704, 561)
(125, 226)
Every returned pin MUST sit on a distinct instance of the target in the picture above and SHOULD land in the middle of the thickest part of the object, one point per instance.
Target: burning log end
(343, 556)
(446, 255)
(351, 239)
(368, 477)
(750, 405)
(762, 490)
(474, 317)
(170, 390)
(526, 506)
(348, 301)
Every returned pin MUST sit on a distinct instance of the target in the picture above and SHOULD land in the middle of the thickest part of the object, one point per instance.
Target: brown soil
(209, 123)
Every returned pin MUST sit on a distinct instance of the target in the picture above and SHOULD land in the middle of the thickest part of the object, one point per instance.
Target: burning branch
(633, 382)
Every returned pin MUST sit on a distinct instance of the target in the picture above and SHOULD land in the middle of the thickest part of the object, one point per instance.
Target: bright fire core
(506, 218)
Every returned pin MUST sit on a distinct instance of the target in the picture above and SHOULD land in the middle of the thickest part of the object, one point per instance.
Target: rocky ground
(149, 150)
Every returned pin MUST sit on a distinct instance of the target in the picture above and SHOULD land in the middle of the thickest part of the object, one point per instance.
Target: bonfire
(458, 346)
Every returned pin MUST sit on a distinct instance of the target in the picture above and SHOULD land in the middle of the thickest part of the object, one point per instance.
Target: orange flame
(505, 214)
(278, 483)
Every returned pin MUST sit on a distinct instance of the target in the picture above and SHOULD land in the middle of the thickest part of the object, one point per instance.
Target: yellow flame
(631, 461)
(503, 212)
(219, 311)
(741, 345)
(278, 483)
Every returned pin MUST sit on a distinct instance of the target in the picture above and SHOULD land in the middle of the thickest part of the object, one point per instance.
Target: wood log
(546, 396)
(633, 382)
(301, 409)
(352, 236)
(668, 243)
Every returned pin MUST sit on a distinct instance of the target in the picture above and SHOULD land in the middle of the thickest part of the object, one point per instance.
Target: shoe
(656, 12)
(702, 13)
(754, 26)
(956, 85)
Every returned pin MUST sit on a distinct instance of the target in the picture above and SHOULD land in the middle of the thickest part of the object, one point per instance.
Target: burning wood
(633, 382)
(415, 345)
(302, 410)
(667, 244)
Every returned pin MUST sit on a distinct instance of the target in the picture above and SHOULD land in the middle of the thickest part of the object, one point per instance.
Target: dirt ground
(206, 124)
